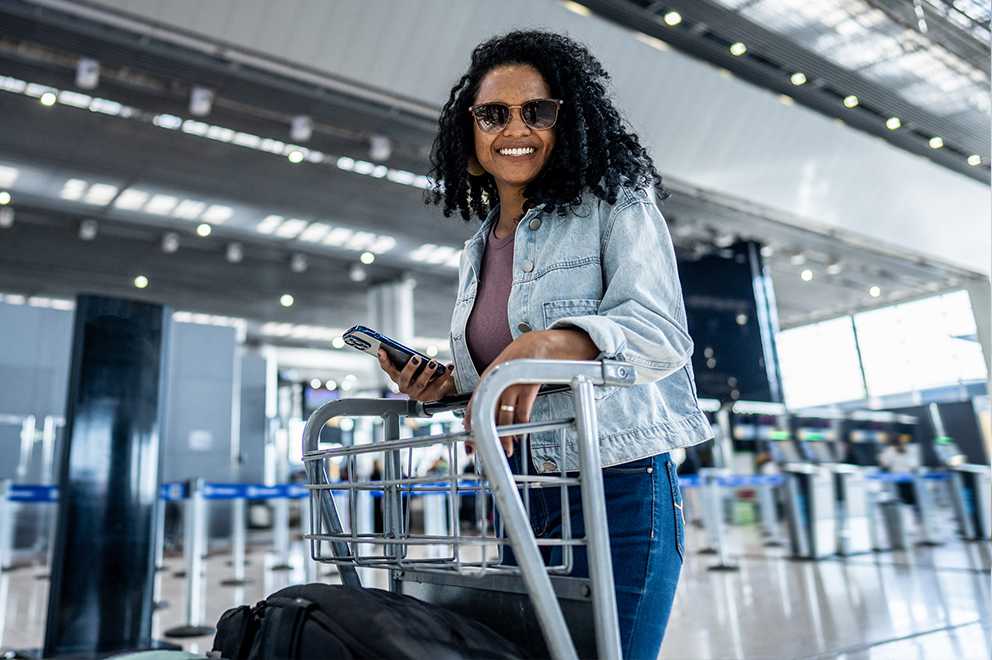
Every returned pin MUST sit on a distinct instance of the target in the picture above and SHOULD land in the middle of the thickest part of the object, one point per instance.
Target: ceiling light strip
(294, 152)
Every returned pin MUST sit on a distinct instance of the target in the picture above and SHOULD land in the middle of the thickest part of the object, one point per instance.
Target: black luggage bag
(338, 622)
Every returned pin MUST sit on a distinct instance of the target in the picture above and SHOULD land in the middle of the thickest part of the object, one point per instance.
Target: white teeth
(517, 151)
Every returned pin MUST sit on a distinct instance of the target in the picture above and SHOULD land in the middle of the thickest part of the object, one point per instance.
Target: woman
(573, 261)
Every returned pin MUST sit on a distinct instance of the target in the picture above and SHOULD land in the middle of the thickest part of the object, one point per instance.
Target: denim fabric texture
(610, 270)
(647, 531)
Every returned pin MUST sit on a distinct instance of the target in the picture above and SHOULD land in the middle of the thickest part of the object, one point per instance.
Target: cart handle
(581, 376)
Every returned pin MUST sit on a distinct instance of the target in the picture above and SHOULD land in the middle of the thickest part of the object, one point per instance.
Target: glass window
(920, 345)
(819, 364)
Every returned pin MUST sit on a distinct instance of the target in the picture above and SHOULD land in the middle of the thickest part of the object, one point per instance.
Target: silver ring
(507, 408)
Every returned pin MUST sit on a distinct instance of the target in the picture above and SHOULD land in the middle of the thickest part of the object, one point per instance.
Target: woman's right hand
(423, 386)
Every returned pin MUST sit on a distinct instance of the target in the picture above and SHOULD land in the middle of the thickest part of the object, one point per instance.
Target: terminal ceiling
(43, 252)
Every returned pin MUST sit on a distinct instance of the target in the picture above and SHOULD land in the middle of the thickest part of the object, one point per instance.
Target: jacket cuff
(606, 334)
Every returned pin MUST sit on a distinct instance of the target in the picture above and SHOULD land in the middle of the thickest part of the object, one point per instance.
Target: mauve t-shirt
(488, 329)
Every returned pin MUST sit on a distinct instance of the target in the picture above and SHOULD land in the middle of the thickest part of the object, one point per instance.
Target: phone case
(365, 339)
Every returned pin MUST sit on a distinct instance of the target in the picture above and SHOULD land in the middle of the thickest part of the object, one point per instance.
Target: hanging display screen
(731, 318)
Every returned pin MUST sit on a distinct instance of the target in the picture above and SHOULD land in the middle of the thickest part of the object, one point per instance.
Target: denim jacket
(609, 270)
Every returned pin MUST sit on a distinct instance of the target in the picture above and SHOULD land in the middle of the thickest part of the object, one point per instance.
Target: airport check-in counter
(970, 484)
(970, 490)
(833, 501)
(818, 440)
(809, 493)
(868, 433)
(811, 510)
(834, 493)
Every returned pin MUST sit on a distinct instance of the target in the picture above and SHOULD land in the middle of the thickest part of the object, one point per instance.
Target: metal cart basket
(536, 605)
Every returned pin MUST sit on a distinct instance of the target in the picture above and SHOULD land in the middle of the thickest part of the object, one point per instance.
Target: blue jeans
(644, 514)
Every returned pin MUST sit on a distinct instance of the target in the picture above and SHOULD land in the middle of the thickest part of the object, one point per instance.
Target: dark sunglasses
(540, 114)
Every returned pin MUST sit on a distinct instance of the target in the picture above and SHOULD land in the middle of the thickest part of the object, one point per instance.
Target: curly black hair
(593, 148)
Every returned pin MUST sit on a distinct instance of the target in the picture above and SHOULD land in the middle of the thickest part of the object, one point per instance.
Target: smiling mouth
(519, 151)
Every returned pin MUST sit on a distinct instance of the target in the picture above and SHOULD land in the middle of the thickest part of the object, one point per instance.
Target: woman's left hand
(515, 402)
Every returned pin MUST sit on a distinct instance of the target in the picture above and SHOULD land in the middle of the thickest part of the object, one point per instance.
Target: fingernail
(431, 364)
(415, 360)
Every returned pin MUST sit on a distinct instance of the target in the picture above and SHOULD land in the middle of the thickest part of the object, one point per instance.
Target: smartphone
(371, 341)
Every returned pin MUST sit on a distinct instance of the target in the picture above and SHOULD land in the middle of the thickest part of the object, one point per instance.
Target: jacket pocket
(555, 310)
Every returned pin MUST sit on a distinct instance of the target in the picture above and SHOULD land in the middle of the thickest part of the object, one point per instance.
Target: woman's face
(515, 155)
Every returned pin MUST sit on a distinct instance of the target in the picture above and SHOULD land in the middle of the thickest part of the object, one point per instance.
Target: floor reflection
(931, 603)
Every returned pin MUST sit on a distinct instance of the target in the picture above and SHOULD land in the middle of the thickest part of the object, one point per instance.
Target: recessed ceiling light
(806, 275)
(875, 292)
(141, 281)
(850, 101)
(654, 42)
(161, 204)
(798, 78)
(738, 49)
(4, 197)
(576, 8)
(974, 159)
(367, 257)
(893, 123)
(100, 194)
(936, 143)
(673, 18)
(131, 199)
(286, 300)
(203, 230)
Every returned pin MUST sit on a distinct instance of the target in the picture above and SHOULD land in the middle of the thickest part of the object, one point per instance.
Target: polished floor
(930, 603)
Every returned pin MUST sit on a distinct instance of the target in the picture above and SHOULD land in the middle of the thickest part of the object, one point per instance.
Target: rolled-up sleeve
(641, 318)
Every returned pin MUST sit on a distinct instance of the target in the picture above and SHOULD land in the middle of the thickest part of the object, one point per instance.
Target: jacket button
(523, 327)
(535, 224)
(528, 265)
(550, 466)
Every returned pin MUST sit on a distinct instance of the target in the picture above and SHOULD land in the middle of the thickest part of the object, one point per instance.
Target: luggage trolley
(575, 617)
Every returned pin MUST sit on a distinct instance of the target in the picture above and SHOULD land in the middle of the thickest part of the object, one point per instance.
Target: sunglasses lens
(492, 117)
(540, 114)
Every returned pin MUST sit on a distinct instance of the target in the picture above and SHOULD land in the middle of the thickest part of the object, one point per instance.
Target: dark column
(102, 576)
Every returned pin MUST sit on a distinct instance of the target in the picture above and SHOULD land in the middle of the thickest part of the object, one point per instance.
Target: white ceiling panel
(710, 131)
